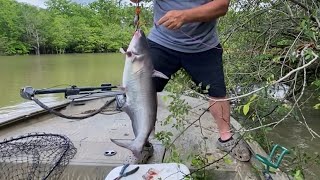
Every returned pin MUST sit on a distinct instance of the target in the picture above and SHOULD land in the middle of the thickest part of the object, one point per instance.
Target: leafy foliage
(264, 41)
(66, 27)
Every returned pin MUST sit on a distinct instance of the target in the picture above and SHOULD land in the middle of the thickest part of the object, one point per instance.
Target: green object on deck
(271, 160)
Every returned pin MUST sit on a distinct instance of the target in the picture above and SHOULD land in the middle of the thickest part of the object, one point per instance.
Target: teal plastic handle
(271, 160)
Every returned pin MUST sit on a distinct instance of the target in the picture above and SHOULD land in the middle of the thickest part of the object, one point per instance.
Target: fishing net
(35, 156)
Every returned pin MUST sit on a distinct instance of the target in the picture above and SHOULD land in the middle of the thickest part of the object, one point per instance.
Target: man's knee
(218, 99)
(220, 107)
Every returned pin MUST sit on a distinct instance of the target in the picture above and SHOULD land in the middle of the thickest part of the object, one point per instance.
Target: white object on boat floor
(168, 171)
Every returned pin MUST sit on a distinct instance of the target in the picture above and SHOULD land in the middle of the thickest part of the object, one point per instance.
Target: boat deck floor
(91, 137)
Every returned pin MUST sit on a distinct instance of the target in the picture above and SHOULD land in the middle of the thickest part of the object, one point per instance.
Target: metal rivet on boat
(110, 153)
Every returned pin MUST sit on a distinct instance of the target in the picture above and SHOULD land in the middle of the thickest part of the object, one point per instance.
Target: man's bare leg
(220, 110)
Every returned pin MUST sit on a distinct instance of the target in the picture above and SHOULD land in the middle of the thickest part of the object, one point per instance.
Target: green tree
(34, 22)
(10, 28)
(60, 33)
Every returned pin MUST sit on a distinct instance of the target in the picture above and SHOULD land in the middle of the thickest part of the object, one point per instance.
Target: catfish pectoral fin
(159, 74)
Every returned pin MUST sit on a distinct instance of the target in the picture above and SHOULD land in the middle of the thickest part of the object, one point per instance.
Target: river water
(291, 133)
(56, 71)
(94, 69)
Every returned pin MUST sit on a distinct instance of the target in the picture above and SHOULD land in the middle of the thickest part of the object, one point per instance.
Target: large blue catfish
(141, 97)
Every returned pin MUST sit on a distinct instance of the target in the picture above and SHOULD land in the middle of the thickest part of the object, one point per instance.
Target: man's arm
(207, 12)
(176, 18)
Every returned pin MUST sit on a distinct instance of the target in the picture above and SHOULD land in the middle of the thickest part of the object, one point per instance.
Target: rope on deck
(52, 111)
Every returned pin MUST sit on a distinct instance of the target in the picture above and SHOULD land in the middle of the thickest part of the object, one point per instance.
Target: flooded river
(47, 71)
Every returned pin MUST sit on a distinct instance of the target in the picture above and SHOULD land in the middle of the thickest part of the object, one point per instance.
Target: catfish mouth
(139, 33)
(140, 44)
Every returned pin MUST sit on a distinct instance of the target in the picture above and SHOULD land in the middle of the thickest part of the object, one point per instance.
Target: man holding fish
(184, 35)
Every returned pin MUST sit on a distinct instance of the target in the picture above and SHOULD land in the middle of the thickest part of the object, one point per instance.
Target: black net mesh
(35, 156)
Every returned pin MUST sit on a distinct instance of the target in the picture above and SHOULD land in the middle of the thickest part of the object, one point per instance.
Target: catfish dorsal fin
(159, 74)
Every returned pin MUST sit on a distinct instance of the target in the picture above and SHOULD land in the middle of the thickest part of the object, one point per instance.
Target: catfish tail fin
(131, 145)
